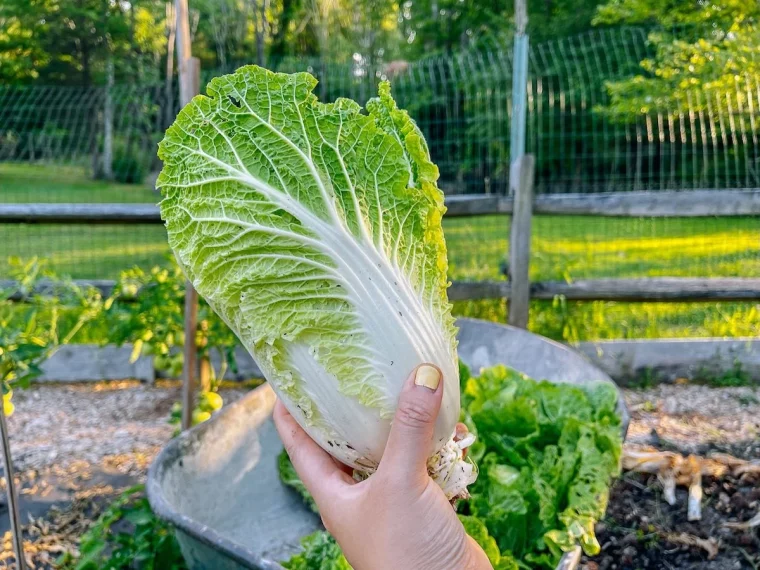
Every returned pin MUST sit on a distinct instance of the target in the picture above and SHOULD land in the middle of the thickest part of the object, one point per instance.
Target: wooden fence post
(106, 168)
(190, 351)
(519, 243)
(189, 86)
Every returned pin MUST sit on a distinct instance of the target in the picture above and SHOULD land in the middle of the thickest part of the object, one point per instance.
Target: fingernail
(427, 376)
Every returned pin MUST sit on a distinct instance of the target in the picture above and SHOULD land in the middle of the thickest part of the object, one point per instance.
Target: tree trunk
(260, 31)
(220, 31)
(320, 29)
(86, 75)
(107, 166)
(171, 30)
(435, 16)
(96, 164)
(279, 40)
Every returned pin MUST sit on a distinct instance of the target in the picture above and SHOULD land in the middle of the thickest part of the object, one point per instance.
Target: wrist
(460, 554)
(474, 557)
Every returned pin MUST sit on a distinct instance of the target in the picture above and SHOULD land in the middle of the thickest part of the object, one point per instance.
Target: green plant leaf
(290, 478)
(314, 230)
(136, 351)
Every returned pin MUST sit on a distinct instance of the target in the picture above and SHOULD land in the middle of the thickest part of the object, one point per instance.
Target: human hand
(398, 518)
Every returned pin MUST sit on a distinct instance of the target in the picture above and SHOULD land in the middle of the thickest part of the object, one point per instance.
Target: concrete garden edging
(626, 361)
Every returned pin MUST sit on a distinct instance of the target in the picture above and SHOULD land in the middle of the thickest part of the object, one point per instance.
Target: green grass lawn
(563, 247)
(583, 247)
(21, 183)
(81, 251)
(86, 252)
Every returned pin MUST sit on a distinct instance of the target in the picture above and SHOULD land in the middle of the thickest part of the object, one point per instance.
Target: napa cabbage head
(314, 231)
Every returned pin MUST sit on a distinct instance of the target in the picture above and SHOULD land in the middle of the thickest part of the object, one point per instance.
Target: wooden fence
(661, 204)
(621, 359)
(522, 206)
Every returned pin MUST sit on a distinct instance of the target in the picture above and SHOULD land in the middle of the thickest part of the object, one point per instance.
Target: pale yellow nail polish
(427, 376)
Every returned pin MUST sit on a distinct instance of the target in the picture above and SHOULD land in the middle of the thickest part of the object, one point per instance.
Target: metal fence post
(13, 507)
(519, 95)
(519, 244)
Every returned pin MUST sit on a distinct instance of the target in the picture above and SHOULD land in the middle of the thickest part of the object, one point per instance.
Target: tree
(65, 42)
(284, 27)
(21, 52)
(703, 55)
(444, 26)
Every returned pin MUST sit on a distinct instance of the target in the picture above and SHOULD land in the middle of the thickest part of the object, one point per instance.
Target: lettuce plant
(314, 231)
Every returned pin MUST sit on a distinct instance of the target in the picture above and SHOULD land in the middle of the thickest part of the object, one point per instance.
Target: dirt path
(75, 448)
(695, 419)
(75, 442)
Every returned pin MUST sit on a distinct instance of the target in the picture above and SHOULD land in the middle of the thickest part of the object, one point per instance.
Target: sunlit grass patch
(86, 251)
(21, 183)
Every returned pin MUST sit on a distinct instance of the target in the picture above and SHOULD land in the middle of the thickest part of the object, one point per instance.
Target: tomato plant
(144, 541)
(32, 329)
(147, 310)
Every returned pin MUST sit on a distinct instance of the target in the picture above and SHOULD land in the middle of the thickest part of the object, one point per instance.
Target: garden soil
(641, 531)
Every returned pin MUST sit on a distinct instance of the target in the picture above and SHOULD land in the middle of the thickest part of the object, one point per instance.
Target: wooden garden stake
(519, 244)
(190, 355)
(189, 86)
(13, 507)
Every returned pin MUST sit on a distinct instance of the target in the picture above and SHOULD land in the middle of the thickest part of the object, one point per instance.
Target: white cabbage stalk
(314, 231)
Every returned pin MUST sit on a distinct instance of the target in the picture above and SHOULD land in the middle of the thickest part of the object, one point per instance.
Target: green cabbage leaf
(314, 231)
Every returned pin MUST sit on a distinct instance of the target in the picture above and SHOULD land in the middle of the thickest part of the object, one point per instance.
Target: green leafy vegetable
(289, 476)
(320, 552)
(547, 453)
(314, 231)
(478, 531)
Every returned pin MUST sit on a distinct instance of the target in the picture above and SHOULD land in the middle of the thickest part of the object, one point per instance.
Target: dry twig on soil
(709, 545)
(673, 469)
(751, 523)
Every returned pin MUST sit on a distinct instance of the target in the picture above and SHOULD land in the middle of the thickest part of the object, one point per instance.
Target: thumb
(411, 435)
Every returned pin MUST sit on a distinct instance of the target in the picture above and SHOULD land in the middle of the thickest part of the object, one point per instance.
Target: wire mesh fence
(597, 121)
(584, 140)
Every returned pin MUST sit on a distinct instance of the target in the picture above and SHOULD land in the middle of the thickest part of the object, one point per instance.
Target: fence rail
(79, 213)
(650, 289)
(654, 289)
(692, 204)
